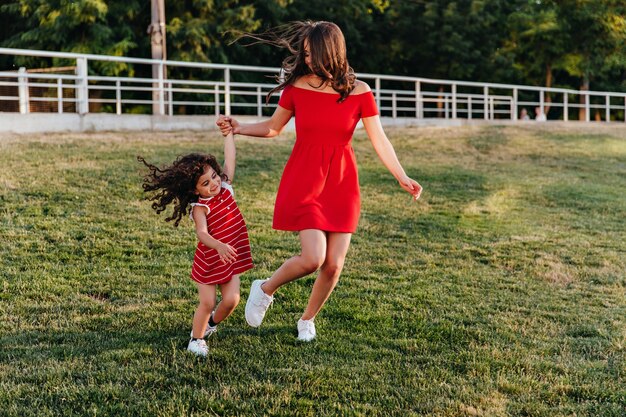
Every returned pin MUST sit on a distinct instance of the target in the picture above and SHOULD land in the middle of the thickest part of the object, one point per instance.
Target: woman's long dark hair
(327, 48)
(177, 183)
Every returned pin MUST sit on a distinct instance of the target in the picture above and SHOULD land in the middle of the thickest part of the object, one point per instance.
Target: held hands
(227, 125)
(411, 186)
(227, 253)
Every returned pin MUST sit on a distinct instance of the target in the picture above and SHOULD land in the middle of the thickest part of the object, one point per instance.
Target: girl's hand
(411, 186)
(227, 253)
(227, 125)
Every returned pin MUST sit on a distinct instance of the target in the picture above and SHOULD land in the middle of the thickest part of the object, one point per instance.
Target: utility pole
(156, 30)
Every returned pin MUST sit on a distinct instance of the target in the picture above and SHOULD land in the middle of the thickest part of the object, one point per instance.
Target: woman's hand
(227, 125)
(411, 186)
(227, 253)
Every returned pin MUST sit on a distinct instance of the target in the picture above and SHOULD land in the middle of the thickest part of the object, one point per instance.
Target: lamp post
(156, 30)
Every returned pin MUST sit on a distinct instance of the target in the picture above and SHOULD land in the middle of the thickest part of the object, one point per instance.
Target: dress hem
(323, 229)
(237, 271)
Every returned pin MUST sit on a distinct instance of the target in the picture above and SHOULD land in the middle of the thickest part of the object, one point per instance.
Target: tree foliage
(596, 31)
(85, 26)
(569, 43)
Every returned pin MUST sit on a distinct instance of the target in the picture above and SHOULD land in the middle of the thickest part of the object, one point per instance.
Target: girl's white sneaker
(306, 330)
(207, 332)
(198, 347)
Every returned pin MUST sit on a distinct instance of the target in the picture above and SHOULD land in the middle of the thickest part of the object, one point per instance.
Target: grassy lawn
(501, 292)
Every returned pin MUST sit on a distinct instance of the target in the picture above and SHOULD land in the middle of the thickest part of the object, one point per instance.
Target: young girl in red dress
(196, 184)
(318, 195)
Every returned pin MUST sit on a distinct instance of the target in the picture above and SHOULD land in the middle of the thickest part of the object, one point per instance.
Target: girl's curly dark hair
(177, 183)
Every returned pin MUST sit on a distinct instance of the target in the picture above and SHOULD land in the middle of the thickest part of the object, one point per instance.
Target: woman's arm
(265, 129)
(230, 153)
(226, 252)
(387, 154)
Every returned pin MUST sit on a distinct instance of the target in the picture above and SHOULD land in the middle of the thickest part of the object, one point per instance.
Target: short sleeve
(208, 209)
(228, 187)
(286, 98)
(368, 105)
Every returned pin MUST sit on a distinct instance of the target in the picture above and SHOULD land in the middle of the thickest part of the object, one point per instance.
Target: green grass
(501, 292)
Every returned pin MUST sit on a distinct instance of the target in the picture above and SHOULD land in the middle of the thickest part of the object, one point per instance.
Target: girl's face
(307, 54)
(209, 184)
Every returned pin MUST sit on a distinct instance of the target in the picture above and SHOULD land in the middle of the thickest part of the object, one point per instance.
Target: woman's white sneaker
(257, 304)
(306, 330)
(198, 347)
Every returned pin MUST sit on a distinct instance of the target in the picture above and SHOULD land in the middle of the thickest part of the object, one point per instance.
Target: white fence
(80, 86)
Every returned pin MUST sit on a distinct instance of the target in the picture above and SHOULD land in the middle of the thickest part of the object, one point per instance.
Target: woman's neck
(315, 82)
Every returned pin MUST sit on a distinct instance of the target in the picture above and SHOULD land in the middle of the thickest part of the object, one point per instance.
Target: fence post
(492, 112)
(418, 101)
(23, 91)
(118, 98)
(469, 107)
(161, 91)
(82, 86)
(587, 107)
(541, 102)
(170, 99)
(565, 112)
(259, 104)
(394, 106)
(60, 95)
(607, 112)
(486, 102)
(227, 91)
(216, 99)
(454, 101)
(378, 100)
(514, 105)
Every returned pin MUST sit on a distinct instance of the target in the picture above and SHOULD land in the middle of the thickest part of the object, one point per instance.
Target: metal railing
(198, 88)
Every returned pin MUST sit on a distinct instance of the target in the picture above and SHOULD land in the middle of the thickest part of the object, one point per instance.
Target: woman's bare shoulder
(360, 87)
(298, 82)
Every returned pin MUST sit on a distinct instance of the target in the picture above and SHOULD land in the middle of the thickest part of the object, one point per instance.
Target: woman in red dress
(318, 194)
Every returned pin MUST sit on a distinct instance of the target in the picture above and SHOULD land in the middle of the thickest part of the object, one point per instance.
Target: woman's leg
(230, 299)
(205, 307)
(338, 244)
(313, 243)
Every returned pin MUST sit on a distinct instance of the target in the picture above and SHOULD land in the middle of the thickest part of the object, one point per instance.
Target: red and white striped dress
(226, 224)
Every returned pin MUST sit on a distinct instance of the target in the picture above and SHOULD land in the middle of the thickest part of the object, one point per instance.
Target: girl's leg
(230, 299)
(205, 307)
(313, 243)
(338, 244)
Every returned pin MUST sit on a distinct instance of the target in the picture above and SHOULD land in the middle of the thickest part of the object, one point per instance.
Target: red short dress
(226, 224)
(319, 188)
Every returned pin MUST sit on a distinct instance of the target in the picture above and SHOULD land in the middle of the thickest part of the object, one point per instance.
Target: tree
(538, 43)
(577, 42)
(596, 32)
(445, 38)
(196, 28)
(85, 26)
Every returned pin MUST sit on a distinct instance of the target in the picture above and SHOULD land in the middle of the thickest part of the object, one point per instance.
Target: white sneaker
(257, 303)
(207, 332)
(198, 347)
(306, 330)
